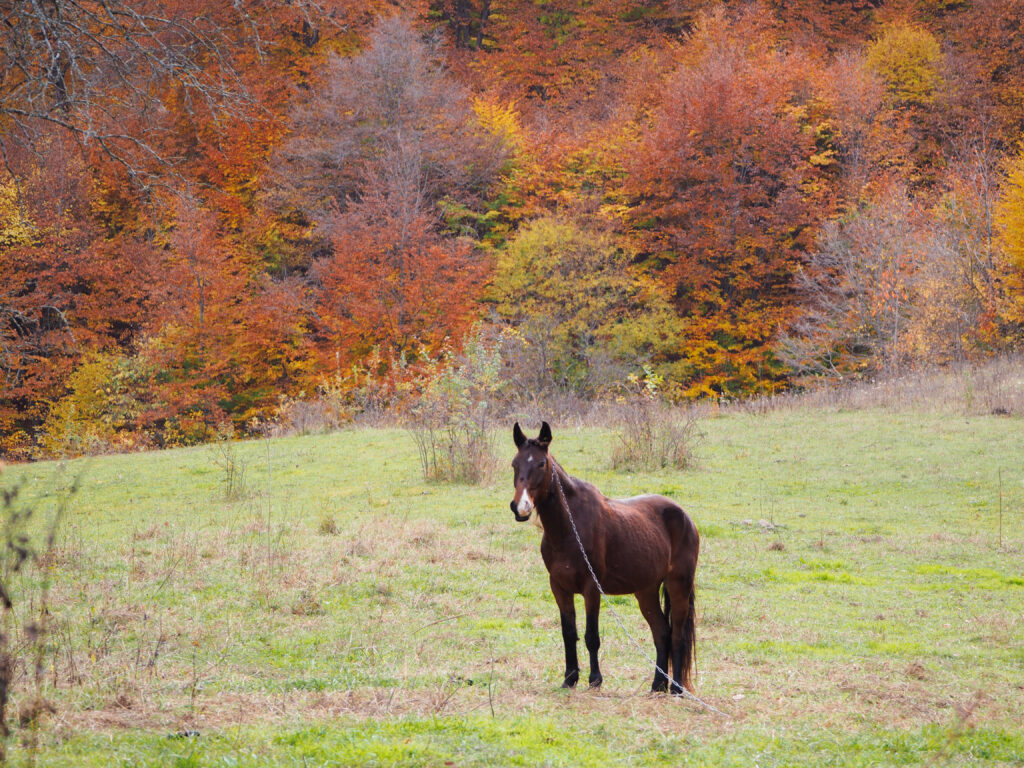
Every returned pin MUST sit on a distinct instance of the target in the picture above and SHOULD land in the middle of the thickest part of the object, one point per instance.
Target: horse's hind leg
(660, 630)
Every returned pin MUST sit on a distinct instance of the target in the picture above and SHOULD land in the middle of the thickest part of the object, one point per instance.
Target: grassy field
(855, 605)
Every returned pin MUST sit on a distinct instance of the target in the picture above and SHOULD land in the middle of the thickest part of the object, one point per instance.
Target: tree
(559, 59)
(814, 24)
(869, 143)
(83, 66)
(394, 285)
(65, 288)
(985, 34)
(226, 340)
(466, 19)
(1009, 220)
(856, 291)
(392, 161)
(112, 74)
(728, 198)
(584, 317)
(907, 59)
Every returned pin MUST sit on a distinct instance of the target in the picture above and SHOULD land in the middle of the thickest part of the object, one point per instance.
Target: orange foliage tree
(203, 107)
(67, 287)
(389, 166)
(730, 186)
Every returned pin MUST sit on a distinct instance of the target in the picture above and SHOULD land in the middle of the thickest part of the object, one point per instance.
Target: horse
(635, 546)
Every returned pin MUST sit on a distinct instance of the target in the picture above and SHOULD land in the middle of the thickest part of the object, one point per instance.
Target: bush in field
(651, 434)
(452, 420)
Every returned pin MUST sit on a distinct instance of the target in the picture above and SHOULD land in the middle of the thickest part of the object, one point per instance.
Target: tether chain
(672, 684)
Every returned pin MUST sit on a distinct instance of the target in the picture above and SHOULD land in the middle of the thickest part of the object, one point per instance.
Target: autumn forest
(213, 212)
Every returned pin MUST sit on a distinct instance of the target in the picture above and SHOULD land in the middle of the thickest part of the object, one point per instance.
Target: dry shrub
(653, 435)
(453, 449)
(452, 420)
(231, 464)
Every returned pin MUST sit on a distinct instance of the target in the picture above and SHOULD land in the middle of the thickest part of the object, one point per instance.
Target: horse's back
(666, 514)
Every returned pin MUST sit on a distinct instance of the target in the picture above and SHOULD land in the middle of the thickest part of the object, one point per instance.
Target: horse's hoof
(570, 680)
(659, 687)
(595, 682)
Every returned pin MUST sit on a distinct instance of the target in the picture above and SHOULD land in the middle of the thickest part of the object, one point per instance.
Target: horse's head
(531, 473)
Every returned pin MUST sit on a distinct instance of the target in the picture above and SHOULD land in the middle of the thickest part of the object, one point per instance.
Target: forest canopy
(212, 211)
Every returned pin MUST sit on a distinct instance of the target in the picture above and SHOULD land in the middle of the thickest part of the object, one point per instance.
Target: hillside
(212, 211)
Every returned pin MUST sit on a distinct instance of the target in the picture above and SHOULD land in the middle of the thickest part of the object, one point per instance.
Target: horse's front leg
(591, 636)
(567, 608)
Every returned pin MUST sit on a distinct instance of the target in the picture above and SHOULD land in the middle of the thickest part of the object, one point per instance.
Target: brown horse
(637, 546)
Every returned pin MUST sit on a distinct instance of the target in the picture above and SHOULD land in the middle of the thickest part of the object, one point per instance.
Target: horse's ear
(544, 438)
(517, 436)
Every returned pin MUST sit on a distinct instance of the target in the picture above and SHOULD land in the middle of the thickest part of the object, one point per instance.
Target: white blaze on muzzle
(525, 503)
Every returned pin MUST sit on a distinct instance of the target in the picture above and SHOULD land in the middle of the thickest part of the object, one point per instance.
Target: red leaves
(397, 285)
(723, 175)
(346, 202)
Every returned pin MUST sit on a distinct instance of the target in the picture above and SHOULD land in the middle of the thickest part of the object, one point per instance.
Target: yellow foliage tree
(1009, 221)
(907, 59)
(15, 229)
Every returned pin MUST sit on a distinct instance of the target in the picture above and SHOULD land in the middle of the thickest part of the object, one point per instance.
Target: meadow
(312, 601)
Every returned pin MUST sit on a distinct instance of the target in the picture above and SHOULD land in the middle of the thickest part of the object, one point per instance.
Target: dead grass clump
(328, 525)
(307, 603)
(653, 435)
(917, 671)
(148, 533)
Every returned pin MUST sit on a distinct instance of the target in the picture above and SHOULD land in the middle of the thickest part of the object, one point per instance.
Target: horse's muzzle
(519, 518)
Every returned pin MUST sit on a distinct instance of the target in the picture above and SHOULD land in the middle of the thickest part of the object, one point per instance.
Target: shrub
(451, 421)
(652, 434)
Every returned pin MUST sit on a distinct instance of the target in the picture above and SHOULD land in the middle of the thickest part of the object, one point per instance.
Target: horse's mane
(570, 484)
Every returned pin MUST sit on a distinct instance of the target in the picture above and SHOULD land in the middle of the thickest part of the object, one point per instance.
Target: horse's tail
(667, 602)
(690, 640)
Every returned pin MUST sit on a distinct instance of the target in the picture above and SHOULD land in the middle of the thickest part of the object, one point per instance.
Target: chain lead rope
(607, 602)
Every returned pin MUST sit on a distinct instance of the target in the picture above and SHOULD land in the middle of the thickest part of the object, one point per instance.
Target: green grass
(875, 620)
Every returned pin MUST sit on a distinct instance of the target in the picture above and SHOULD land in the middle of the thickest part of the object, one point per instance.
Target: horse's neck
(552, 507)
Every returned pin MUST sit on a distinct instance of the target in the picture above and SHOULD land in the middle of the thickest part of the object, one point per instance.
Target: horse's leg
(592, 605)
(660, 631)
(565, 601)
(684, 643)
